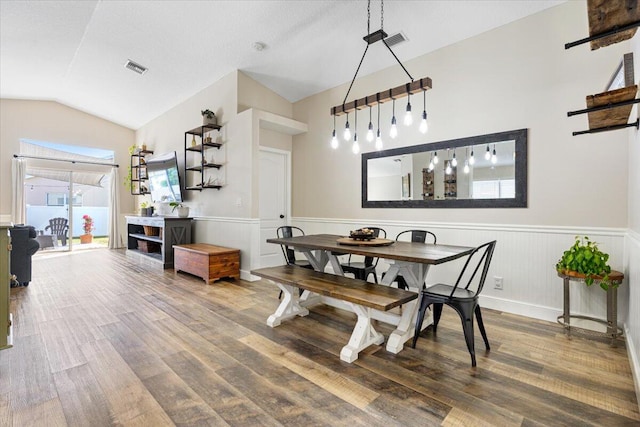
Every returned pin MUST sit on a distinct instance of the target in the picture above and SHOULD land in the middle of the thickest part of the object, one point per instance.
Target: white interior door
(274, 202)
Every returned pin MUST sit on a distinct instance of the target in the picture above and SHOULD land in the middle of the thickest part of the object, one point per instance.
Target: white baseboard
(520, 308)
(633, 352)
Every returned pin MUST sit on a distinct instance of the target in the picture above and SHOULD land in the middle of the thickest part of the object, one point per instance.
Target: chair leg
(437, 312)
(481, 327)
(375, 277)
(424, 303)
(466, 316)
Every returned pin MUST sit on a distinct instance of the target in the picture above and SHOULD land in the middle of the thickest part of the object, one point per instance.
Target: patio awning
(86, 178)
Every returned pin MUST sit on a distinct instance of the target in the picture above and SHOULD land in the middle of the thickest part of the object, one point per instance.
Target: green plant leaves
(584, 257)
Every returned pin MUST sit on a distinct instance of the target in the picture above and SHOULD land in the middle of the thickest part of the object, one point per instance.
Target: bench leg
(363, 335)
(289, 306)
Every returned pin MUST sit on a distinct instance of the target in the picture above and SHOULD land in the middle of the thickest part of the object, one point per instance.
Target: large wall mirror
(484, 171)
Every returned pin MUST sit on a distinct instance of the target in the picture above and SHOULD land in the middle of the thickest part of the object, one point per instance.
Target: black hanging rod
(25, 156)
(615, 30)
(603, 107)
(635, 124)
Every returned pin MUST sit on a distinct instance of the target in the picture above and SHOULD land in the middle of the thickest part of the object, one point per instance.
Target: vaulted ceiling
(74, 52)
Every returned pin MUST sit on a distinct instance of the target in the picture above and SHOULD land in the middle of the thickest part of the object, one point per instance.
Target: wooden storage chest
(207, 261)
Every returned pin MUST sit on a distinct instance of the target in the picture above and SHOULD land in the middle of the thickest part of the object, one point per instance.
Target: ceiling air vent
(135, 67)
(395, 39)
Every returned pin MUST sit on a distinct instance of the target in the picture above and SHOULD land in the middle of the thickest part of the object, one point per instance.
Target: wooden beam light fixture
(407, 89)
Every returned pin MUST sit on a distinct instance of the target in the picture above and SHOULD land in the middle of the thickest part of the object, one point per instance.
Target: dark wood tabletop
(423, 253)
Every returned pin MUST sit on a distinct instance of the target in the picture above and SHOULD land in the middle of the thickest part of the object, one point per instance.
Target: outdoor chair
(59, 229)
(362, 270)
(461, 297)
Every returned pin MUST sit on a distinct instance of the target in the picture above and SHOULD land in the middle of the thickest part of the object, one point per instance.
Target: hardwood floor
(105, 339)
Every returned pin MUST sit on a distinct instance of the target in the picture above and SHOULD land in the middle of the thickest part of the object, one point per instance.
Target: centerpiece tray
(372, 242)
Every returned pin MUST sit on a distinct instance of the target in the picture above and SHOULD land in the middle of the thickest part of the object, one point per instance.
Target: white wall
(516, 76)
(632, 247)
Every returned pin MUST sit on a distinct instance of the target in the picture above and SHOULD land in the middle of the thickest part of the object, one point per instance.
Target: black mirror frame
(520, 201)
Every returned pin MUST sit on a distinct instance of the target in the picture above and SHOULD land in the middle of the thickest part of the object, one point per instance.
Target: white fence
(39, 216)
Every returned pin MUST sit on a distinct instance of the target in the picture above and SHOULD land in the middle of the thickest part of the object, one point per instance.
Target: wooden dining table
(409, 259)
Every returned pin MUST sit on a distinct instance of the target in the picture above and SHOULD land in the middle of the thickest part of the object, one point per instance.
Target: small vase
(193, 141)
(209, 121)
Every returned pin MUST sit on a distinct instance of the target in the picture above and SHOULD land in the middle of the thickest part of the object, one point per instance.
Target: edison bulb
(378, 141)
(408, 118)
(431, 165)
(435, 158)
(334, 140)
(448, 169)
(454, 162)
(347, 133)
(370, 133)
(487, 154)
(355, 147)
(393, 132)
(472, 159)
(424, 126)
(494, 157)
(466, 167)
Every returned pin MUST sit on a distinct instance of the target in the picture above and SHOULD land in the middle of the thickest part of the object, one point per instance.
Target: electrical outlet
(497, 282)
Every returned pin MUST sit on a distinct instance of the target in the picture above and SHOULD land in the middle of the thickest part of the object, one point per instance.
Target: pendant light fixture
(424, 126)
(472, 160)
(447, 169)
(347, 132)
(408, 89)
(435, 158)
(393, 132)
(355, 147)
(494, 157)
(334, 139)
(408, 117)
(378, 137)
(370, 129)
(466, 160)
(431, 164)
(454, 161)
(487, 154)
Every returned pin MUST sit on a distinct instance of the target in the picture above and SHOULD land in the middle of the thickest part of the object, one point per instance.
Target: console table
(612, 330)
(154, 236)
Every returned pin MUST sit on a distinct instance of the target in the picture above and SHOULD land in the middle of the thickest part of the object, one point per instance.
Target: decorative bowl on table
(362, 234)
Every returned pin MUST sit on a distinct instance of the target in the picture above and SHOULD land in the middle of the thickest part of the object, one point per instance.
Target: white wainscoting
(238, 233)
(632, 323)
(525, 257)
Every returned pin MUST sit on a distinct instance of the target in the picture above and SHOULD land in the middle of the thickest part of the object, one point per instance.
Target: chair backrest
(288, 231)
(377, 232)
(418, 236)
(58, 225)
(480, 257)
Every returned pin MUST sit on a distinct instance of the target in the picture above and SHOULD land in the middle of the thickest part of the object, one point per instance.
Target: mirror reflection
(481, 171)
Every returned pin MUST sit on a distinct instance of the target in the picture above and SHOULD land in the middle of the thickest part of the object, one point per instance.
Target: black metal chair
(460, 297)
(362, 269)
(418, 236)
(288, 253)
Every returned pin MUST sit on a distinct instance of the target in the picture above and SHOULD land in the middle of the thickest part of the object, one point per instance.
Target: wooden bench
(362, 296)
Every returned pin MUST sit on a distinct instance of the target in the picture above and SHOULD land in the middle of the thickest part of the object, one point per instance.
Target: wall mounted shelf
(197, 142)
(139, 172)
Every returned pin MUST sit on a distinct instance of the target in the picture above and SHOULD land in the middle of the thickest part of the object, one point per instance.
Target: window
(495, 189)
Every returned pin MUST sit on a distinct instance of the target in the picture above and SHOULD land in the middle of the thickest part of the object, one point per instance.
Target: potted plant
(87, 227)
(146, 209)
(584, 260)
(208, 117)
(183, 211)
